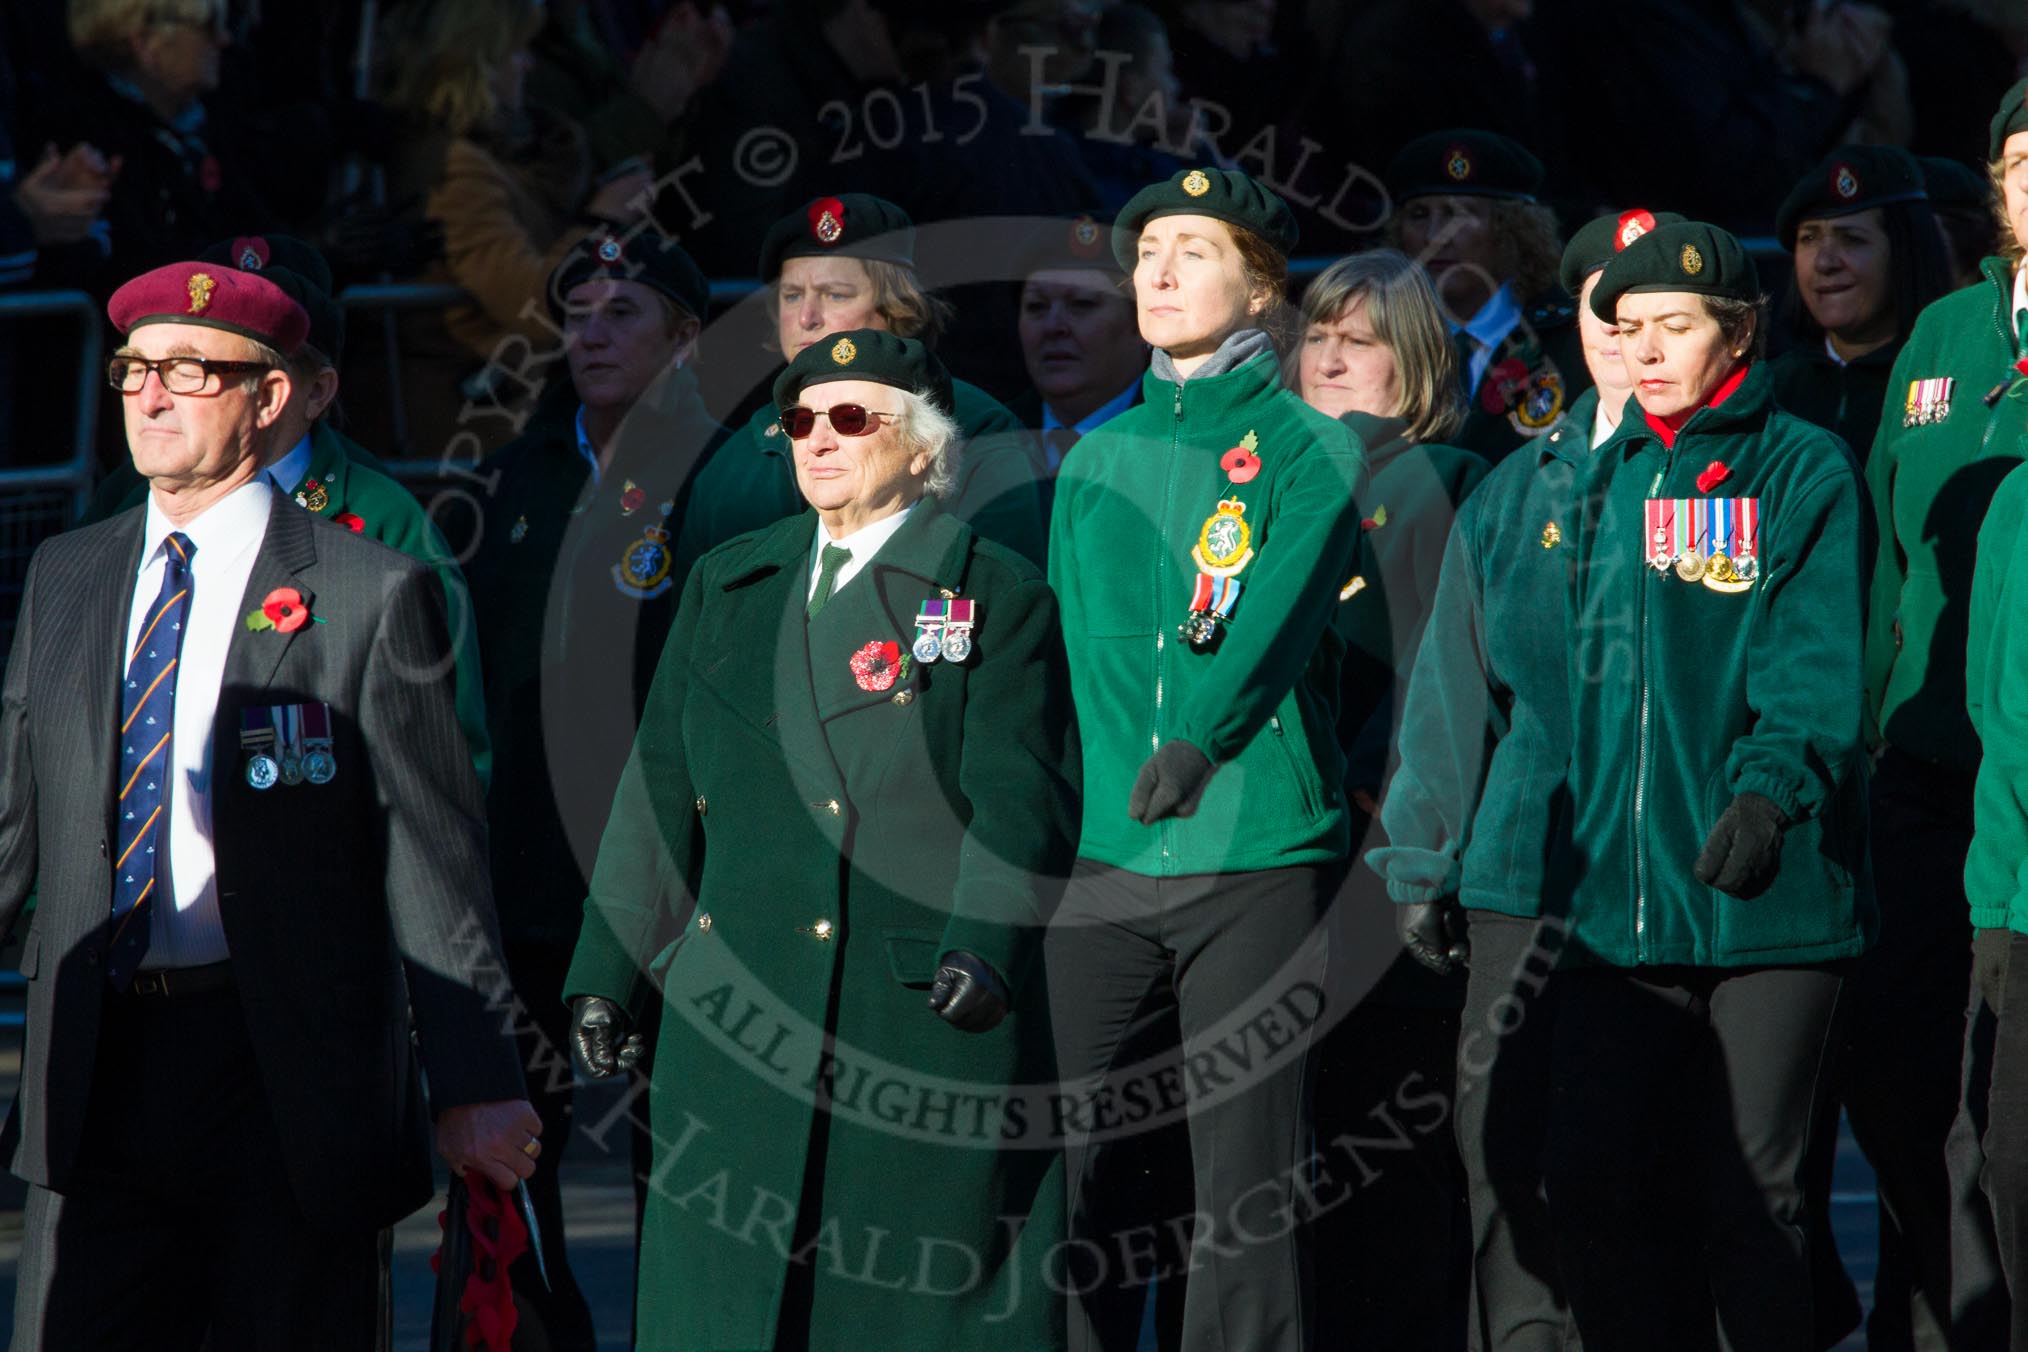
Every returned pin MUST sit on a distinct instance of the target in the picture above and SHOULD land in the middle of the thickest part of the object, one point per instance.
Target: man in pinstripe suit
(230, 762)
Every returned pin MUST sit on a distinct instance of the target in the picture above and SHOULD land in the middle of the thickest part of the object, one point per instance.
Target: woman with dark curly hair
(1465, 208)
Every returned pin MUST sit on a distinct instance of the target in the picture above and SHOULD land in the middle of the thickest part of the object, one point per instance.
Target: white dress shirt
(228, 536)
(2020, 296)
(1603, 427)
(864, 544)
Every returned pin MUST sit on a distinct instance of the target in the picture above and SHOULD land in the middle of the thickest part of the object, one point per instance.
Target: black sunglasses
(847, 420)
(180, 375)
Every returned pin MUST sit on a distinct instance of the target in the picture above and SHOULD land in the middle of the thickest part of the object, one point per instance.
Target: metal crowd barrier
(39, 501)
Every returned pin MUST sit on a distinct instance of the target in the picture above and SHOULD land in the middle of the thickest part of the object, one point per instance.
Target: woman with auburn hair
(1198, 542)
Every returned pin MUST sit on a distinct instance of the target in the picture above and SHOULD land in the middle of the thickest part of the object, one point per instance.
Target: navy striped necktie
(147, 718)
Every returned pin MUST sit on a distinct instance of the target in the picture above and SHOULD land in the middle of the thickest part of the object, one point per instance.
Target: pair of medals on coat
(1223, 550)
(287, 744)
(1715, 541)
(943, 632)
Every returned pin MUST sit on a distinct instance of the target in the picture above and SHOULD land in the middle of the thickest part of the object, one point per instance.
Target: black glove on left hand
(1744, 849)
(968, 994)
(1171, 783)
(1433, 932)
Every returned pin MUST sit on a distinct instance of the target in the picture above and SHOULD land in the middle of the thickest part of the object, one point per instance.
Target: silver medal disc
(957, 644)
(262, 772)
(927, 648)
(291, 769)
(320, 767)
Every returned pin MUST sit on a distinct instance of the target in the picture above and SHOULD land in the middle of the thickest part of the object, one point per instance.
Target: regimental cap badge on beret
(843, 351)
(202, 284)
(1693, 261)
(827, 220)
(1633, 224)
(1085, 237)
(610, 250)
(251, 254)
(1458, 165)
(1195, 183)
(1844, 183)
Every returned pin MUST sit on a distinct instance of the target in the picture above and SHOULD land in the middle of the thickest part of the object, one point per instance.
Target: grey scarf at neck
(1232, 354)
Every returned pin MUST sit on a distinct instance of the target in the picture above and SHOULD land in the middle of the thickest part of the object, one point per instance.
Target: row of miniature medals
(1715, 541)
(287, 744)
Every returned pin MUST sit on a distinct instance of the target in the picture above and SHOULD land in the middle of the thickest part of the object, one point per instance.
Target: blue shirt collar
(1495, 319)
(1104, 413)
(289, 471)
(585, 448)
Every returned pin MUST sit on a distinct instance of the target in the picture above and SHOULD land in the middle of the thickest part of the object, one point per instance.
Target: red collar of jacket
(1667, 428)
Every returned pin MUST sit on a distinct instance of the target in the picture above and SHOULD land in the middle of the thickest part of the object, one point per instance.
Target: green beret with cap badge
(1602, 239)
(1685, 256)
(1222, 194)
(1849, 180)
(853, 224)
(1464, 162)
(2012, 117)
(865, 354)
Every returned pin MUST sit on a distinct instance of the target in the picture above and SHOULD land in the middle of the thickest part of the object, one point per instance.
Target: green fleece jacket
(750, 482)
(1934, 466)
(1131, 505)
(1685, 694)
(1996, 690)
(1478, 809)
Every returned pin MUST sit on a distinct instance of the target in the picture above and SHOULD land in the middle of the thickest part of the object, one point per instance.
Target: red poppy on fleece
(1714, 474)
(352, 521)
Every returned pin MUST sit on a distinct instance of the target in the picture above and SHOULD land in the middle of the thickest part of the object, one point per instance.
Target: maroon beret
(214, 297)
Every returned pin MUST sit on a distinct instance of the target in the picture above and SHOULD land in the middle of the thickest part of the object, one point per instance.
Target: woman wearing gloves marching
(1479, 838)
(1718, 841)
(1198, 545)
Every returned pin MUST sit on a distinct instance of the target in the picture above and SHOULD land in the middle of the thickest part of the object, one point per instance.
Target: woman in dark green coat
(1718, 846)
(1198, 543)
(848, 811)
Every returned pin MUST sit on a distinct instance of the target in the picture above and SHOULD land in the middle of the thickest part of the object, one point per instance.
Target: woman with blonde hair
(509, 185)
(1373, 351)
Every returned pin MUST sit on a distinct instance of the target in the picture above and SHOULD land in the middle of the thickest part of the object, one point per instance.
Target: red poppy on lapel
(1714, 474)
(876, 665)
(285, 609)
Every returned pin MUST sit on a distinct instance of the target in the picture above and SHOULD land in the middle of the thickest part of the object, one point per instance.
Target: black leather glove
(1170, 784)
(1433, 932)
(968, 994)
(1744, 849)
(599, 1031)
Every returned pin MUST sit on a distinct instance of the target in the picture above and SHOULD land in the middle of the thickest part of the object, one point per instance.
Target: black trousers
(1714, 1071)
(1243, 957)
(1996, 1110)
(1503, 1068)
(1899, 1074)
(179, 1230)
(556, 1318)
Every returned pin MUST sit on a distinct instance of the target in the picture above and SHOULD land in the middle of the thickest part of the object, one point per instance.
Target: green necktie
(833, 558)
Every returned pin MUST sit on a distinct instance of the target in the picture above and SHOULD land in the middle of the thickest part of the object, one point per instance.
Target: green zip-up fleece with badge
(1941, 451)
(1478, 809)
(1691, 684)
(1996, 684)
(1144, 498)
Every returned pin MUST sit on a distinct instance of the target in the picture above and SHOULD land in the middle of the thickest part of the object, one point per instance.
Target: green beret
(1851, 179)
(855, 224)
(1222, 194)
(1684, 256)
(1464, 163)
(1597, 241)
(1953, 186)
(656, 262)
(298, 269)
(1054, 243)
(865, 354)
(2012, 117)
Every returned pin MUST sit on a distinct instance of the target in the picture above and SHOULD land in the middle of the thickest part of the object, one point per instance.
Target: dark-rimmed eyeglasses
(847, 420)
(180, 375)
